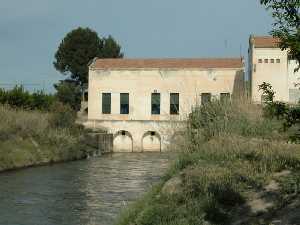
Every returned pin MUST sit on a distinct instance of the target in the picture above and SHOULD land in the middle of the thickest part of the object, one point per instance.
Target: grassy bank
(234, 167)
(29, 138)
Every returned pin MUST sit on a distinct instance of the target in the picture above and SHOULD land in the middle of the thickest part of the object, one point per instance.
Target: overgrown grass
(230, 150)
(31, 138)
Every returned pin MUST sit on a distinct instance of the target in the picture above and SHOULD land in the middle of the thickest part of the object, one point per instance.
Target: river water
(89, 192)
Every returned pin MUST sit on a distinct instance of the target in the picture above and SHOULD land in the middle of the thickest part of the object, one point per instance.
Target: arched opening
(151, 142)
(123, 142)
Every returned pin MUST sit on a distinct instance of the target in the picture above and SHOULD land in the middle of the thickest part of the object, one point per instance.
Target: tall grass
(228, 151)
(30, 138)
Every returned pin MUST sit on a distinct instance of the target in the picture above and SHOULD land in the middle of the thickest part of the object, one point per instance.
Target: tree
(111, 49)
(287, 24)
(78, 48)
(68, 93)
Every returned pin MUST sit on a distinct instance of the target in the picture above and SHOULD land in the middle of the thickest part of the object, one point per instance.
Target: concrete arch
(151, 142)
(123, 141)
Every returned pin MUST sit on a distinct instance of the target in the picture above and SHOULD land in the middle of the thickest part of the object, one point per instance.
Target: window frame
(126, 111)
(206, 94)
(155, 107)
(226, 99)
(104, 104)
(174, 106)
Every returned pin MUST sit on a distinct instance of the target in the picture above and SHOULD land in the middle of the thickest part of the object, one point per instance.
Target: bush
(18, 97)
(69, 93)
(62, 116)
(217, 118)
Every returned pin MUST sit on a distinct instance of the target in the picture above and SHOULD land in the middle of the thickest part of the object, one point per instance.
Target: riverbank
(32, 138)
(234, 167)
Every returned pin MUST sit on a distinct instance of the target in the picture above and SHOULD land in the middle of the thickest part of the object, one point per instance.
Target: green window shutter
(124, 103)
(224, 97)
(174, 103)
(155, 103)
(106, 103)
(205, 98)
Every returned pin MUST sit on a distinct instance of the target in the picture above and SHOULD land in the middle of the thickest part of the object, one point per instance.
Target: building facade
(268, 63)
(142, 101)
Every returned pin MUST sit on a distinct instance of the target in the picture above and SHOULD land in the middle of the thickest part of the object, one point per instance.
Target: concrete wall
(273, 73)
(139, 130)
(281, 76)
(139, 136)
(293, 80)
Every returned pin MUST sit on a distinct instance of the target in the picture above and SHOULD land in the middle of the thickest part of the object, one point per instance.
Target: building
(140, 101)
(268, 63)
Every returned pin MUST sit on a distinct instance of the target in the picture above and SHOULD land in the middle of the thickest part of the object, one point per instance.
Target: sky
(31, 31)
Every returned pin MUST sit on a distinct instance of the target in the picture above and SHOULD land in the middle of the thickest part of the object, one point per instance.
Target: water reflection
(86, 192)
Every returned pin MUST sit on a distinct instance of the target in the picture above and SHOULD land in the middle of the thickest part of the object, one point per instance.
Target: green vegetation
(30, 138)
(287, 24)
(18, 97)
(289, 115)
(77, 49)
(230, 170)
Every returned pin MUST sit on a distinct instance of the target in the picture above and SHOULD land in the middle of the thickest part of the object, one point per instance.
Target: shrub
(18, 97)
(217, 118)
(62, 116)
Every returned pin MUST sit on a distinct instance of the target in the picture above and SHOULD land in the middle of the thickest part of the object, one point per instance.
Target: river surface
(89, 192)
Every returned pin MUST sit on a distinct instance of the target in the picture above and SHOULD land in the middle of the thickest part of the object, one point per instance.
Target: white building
(141, 100)
(268, 63)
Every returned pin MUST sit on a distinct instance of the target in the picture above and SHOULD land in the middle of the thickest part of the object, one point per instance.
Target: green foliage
(268, 92)
(217, 118)
(289, 115)
(110, 49)
(287, 24)
(20, 98)
(32, 137)
(68, 93)
(272, 109)
(78, 48)
(231, 149)
(62, 116)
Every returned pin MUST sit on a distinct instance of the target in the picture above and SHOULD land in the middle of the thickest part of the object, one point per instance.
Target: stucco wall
(140, 84)
(294, 79)
(273, 73)
(135, 136)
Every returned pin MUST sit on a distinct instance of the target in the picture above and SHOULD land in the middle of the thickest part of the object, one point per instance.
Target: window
(106, 103)
(277, 60)
(259, 60)
(124, 103)
(205, 98)
(272, 61)
(224, 97)
(266, 60)
(155, 103)
(174, 103)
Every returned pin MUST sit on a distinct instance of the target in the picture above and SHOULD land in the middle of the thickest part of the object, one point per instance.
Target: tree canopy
(287, 24)
(78, 48)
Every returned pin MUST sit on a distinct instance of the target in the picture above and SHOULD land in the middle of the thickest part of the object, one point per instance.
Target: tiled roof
(265, 42)
(167, 63)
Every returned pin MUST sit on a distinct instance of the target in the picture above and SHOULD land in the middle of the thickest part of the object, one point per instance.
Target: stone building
(140, 101)
(268, 63)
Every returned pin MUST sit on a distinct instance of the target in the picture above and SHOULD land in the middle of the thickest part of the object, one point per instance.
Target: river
(89, 192)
